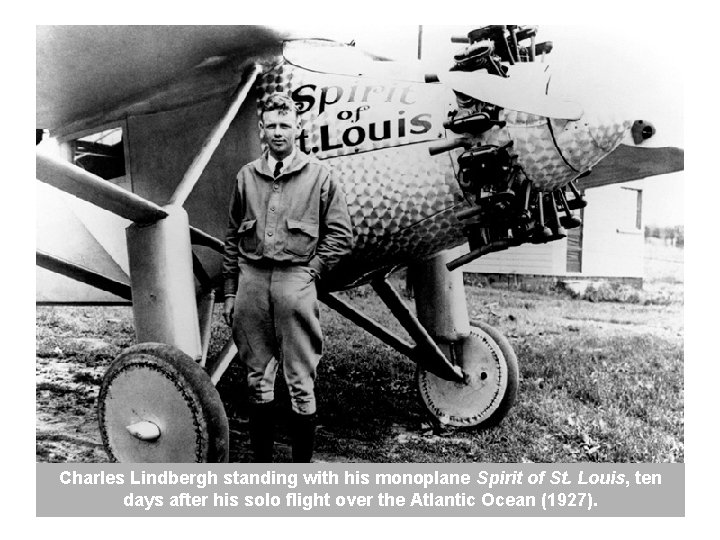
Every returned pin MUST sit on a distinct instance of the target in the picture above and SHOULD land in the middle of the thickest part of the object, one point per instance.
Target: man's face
(279, 130)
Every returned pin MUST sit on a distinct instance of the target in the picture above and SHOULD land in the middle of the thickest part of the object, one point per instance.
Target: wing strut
(199, 237)
(94, 189)
(425, 352)
(83, 275)
(192, 175)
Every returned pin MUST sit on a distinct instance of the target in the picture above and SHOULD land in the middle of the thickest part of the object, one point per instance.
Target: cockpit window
(103, 154)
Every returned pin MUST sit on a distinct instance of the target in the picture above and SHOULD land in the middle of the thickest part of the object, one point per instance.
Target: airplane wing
(83, 71)
(628, 163)
(87, 76)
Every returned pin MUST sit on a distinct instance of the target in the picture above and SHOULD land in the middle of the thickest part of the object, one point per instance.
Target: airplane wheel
(156, 405)
(491, 369)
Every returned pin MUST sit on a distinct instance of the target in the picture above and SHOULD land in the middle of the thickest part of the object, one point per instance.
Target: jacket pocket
(248, 237)
(302, 237)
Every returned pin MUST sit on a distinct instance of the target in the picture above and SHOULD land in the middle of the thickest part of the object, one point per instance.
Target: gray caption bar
(412, 490)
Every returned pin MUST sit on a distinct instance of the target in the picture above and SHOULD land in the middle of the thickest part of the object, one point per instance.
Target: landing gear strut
(486, 359)
(467, 372)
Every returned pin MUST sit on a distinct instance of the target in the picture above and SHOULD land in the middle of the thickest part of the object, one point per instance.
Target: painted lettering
(373, 89)
(418, 122)
(359, 138)
(403, 96)
(325, 100)
(386, 131)
(325, 140)
(305, 102)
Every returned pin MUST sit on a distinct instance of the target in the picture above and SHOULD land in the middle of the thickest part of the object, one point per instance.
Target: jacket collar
(298, 162)
(287, 160)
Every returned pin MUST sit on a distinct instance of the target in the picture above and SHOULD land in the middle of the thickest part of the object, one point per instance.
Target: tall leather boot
(262, 428)
(302, 431)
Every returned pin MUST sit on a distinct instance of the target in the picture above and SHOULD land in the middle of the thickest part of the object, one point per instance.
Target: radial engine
(518, 170)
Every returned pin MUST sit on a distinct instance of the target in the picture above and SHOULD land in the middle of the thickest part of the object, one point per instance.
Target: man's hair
(279, 101)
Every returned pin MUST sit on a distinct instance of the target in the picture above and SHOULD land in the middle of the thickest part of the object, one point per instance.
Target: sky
(601, 67)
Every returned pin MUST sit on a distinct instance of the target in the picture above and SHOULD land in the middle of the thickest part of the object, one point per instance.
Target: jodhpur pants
(277, 319)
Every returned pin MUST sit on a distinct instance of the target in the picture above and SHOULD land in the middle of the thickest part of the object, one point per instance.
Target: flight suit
(283, 234)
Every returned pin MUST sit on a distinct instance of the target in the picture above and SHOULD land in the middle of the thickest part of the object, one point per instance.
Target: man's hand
(228, 309)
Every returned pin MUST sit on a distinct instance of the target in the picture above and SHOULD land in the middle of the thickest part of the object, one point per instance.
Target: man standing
(288, 226)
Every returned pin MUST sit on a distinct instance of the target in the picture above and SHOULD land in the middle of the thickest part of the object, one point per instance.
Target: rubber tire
(194, 386)
(508, 399)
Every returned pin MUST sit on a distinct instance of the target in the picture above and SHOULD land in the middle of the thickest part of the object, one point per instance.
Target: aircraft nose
(555, 152)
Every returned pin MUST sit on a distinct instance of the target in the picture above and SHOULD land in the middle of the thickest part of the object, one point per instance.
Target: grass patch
(618, 292)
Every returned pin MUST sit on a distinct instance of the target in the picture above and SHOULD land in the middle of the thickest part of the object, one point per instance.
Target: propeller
(510, 93)
(524, 90)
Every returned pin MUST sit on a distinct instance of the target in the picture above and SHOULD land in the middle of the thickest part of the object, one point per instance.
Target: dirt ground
(67, 386)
